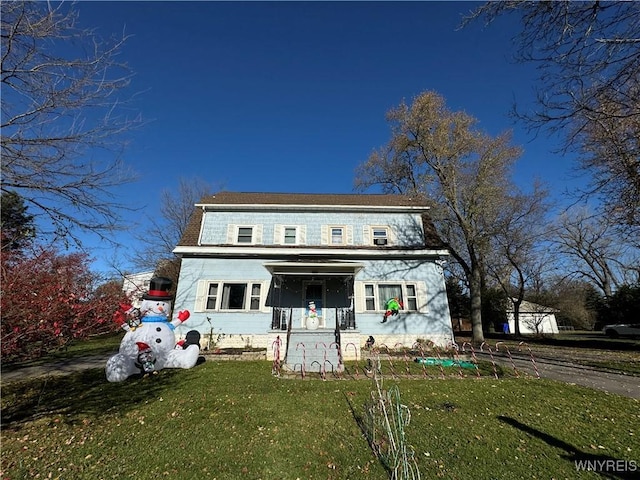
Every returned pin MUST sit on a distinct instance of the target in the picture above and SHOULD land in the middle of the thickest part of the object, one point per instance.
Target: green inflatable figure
(392, 307)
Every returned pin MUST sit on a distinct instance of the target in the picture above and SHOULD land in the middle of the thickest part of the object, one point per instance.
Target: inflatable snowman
(149, 344)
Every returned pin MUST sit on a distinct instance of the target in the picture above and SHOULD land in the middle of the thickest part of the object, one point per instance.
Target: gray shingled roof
(190, 236)
(262, 198)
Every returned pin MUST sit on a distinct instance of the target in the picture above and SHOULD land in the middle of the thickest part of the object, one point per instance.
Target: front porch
(312, 304)
(286, 318)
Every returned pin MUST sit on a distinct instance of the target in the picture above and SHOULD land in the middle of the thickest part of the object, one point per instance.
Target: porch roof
(313, 268)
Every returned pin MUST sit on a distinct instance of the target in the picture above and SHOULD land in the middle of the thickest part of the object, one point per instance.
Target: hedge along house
(254, 266)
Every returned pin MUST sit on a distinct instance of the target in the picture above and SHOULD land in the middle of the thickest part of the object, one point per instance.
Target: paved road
(626, 385)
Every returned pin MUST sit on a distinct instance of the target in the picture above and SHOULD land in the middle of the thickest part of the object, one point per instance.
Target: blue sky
(292, 96)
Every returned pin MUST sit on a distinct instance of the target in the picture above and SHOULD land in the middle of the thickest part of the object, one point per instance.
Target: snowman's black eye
(158, 340)
(158, 329)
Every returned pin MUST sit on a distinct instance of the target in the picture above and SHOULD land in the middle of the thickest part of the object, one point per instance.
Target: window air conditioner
(379, 241)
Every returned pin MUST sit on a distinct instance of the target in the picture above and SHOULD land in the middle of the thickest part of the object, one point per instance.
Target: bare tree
(439, 155)
(517, 259)
(166, 230)
(593, 250)
(63, 118)
(588, 56)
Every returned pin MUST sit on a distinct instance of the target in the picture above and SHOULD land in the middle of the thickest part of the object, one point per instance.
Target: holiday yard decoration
(149, 344)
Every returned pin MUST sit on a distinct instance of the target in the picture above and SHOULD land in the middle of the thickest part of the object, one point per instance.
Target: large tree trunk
(475, 291)
(516, 317)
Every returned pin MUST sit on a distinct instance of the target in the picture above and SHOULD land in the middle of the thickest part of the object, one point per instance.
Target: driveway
(611, 382)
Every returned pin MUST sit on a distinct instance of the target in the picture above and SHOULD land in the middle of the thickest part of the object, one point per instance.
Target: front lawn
(229, 420)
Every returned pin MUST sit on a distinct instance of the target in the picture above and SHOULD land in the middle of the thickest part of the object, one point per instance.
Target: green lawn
(230, 420)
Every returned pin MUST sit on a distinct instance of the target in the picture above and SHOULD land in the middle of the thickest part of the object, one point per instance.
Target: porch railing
(281, 318)
(346, 318)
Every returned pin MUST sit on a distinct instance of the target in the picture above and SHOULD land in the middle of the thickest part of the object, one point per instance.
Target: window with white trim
(212, 297)
(254, 299)
(377, 294)
(369, 297)
(233, 296)
(290, 235)
(380, 235)
(245, 235)
(411, 302)
(337, 235)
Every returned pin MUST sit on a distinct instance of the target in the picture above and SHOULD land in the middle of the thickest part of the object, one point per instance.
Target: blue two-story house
(312, 269)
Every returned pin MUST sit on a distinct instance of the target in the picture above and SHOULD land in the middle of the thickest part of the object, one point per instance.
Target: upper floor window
(245, 235)
(380, 235)
(337, 235)
(290, 235)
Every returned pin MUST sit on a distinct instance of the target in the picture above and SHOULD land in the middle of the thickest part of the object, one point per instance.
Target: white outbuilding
(534, 319)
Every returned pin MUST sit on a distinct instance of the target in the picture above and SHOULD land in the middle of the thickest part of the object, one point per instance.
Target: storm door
(313, 291)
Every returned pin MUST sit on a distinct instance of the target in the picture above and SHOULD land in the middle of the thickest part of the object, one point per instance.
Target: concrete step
(313, 348)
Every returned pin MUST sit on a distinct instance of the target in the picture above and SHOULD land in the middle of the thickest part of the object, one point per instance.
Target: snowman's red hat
(159, 289)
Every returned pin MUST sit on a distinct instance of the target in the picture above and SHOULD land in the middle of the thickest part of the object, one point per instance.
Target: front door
(313, 291)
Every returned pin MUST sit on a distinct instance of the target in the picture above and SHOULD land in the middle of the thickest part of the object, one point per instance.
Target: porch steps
(314, 349)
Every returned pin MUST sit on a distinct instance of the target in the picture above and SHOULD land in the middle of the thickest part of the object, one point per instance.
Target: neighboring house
(134, 285)
(254, 266)
(533, 318)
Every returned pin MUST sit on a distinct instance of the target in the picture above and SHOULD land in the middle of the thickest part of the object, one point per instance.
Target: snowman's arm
(183, 316)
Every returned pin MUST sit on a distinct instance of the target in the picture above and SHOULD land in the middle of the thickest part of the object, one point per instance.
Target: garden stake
(456, 357)
(473, 355)
(338, 373)
(275, 369)
(304, 358)
(389, 356)
(406, 357)
(533, 360)
(424, 366)
(436, 349)
(355, 349)
(323, 371)
(515, 370)
(493, 362)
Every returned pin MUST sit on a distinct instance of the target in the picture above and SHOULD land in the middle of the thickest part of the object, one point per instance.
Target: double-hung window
(212, 297)
(290, 235)
(245, 235)
(380, 235)
(337, 235)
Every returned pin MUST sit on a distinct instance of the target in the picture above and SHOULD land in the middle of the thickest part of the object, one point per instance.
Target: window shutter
(358, 291)
(302, 234)
(422, 300)
(324, 235)
(264, 292)
(231, 234)
(392, 236)
(349, 234)
(201, 294)
(366, 235)
(257, 238)
(277, 234)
